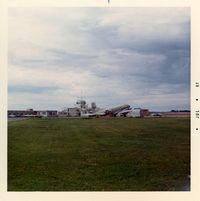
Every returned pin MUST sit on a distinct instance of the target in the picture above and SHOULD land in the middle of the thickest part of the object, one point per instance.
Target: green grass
(127, 154)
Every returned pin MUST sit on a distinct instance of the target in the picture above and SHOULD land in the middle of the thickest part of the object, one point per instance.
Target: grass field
(128, 154)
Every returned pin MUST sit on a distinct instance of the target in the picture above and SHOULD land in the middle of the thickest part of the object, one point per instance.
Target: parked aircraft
(122, 110)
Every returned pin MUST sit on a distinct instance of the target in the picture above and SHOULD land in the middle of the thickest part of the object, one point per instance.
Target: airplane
(122, 110)
(124, 113)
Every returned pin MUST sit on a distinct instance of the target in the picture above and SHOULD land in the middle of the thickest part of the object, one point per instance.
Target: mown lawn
(126, 154)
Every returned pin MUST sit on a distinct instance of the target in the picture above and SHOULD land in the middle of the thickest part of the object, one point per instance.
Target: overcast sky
(113, 56)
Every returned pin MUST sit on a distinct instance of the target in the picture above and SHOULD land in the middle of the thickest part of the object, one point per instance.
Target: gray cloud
(31, 89)
(139, 56)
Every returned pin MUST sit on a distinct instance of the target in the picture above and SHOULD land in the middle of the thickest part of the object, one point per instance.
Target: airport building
(144, 112)
(47, 113)
(32, 113)
(21, 113)
(73, 112)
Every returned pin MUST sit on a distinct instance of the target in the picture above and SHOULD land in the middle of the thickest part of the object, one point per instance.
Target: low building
(63, 113)
(144, 112)
(21, 113)
(73, 112)
(48, 113)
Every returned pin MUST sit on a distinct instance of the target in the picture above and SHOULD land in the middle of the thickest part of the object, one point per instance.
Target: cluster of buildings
(82, 109)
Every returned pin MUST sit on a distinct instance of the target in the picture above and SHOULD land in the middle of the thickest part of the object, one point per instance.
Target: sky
(111, 56)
